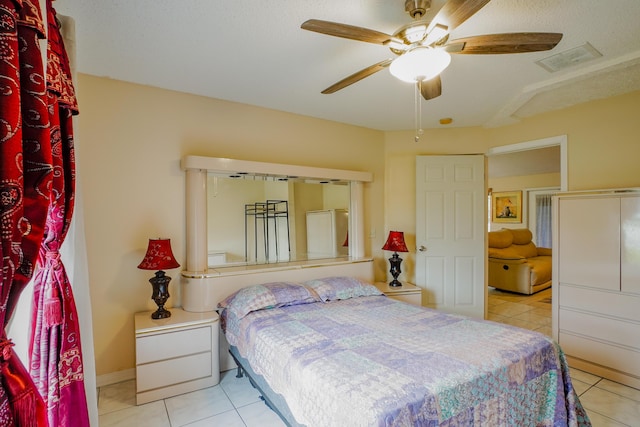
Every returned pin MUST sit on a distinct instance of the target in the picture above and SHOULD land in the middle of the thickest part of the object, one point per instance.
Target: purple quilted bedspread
(374, 361)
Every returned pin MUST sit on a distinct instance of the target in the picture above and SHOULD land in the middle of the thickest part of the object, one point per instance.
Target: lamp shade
(395, 242)
(159, 256)
(420, 63)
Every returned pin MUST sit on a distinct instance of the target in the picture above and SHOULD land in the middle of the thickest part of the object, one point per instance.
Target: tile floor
(607, 403)
(234, 402)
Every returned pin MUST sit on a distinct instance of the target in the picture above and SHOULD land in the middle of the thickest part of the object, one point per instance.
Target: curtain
(55, 351)
(25, 178)
(543, 220)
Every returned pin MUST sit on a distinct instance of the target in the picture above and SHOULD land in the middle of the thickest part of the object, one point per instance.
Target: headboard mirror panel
(253, 219)
(244, 213)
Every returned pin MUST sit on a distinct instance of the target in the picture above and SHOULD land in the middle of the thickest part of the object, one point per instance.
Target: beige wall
(130, 139)
(521, 182)
(603, 152)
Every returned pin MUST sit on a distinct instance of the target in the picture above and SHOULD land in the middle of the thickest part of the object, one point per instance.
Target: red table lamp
(395, 243)
(159, 257)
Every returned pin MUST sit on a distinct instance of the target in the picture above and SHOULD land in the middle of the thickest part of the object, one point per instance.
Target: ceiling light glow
(420, 63)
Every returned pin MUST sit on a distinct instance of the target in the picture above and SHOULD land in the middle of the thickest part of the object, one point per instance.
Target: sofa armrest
(512, 275)
(544, 251)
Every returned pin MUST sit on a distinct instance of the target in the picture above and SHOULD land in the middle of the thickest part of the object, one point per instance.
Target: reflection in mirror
(198, 169)
(257, 219)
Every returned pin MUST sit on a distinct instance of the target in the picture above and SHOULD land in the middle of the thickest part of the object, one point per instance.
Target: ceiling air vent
(569, 58)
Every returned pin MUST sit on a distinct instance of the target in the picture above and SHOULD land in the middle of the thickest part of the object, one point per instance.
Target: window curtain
(25, 178)
(543, 220)
(55, 345)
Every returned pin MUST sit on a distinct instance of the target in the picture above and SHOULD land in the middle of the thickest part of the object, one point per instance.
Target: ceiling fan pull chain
(418, 111)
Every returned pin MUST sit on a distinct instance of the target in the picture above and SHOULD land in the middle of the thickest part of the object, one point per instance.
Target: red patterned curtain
(25, 178)
(55, 350)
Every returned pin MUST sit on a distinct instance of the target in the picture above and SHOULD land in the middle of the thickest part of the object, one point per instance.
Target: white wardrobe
(596, 282)
(326, 233)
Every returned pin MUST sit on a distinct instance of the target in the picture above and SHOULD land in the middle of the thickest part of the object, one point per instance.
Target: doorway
(528, 147)
(530, 150)
(530, 167)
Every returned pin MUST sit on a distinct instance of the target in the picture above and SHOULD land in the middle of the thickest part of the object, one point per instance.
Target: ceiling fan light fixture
(438, 32)
(420, 63)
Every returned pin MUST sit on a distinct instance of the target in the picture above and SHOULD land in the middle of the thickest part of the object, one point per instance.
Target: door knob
(422, 248)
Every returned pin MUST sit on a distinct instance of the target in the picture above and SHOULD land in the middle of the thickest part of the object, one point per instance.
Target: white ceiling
(254, 52)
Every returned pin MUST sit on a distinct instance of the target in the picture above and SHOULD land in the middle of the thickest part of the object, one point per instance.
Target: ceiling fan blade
(504, 43)
(346, 31)
(455, 12)
(356, 77)
(430, 88)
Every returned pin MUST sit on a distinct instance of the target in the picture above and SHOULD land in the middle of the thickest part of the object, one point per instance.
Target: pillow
(500, 239)
(336, 288)
(267, 295)
(521, 236)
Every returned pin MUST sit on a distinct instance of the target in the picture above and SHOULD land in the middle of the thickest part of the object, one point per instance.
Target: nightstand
(406, 293)
(175, 355)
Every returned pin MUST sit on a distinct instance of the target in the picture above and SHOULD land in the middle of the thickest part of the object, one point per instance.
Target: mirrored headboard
(233, 203)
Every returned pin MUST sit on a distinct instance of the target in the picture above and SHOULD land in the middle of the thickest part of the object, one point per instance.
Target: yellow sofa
(516, 264)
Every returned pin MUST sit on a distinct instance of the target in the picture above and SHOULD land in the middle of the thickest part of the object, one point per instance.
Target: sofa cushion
(527, 250)
(504, 253)
(521, 236)
(544, 251)
(540, 269)
(500, 239)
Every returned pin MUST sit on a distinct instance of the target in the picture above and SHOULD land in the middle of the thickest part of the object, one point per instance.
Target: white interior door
(451, 206)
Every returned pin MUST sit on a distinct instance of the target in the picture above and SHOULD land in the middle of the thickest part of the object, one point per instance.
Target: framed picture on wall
(506, 206)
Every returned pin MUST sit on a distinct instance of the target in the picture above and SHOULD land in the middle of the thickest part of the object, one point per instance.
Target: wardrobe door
(630, 249)
(589, 248)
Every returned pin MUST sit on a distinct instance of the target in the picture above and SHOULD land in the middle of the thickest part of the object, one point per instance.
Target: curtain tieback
(52, 255)
(50, 259)
(52, 315)
(5, 350)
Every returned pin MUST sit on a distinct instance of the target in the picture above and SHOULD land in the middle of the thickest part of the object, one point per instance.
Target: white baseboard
(120, 376)
(115, 377)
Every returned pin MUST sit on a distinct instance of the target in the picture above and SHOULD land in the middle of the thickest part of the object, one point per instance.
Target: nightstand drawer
(411, 298)
(175, 355)
(172, 344)
(408, 292)
(173, 371)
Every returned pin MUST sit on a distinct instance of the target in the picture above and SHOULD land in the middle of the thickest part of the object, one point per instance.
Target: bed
(336, 352)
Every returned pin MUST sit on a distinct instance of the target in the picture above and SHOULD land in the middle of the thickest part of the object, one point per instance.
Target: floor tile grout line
(608, 417)
(166, 411)
(595, 385)
(241, 406)
(588, 388)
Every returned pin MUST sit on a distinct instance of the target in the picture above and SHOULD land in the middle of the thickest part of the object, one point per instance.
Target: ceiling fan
(423, 47)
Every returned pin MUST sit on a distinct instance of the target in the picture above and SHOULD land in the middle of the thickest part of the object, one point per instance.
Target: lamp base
(160, 295)
(395, 283)
(161, 313)
(395, 271)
